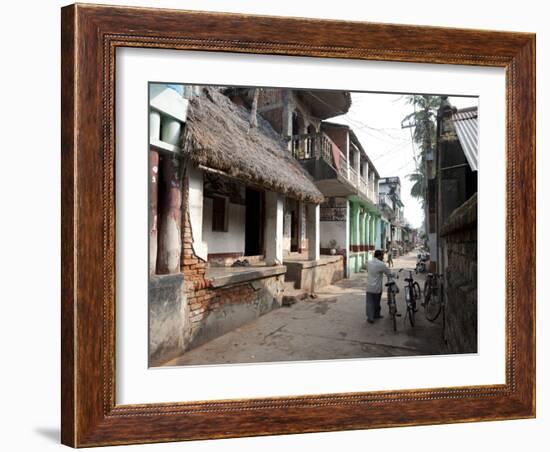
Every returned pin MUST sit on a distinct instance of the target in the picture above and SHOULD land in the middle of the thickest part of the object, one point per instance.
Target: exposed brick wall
(459, 241)
(243, 293)
(196, 286)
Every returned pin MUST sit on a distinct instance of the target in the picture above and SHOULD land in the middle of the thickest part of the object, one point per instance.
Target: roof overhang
(466, 127)
(326, 104)
(218, 135)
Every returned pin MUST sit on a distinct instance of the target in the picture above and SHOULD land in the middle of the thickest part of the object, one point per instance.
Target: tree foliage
(423, 122)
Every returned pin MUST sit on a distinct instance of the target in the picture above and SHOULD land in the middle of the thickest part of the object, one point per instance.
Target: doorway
(254, 227)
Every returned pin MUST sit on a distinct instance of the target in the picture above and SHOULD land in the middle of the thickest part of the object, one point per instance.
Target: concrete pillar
(348, 238)
(302, 213)
(195, 204)
(348, 155)
(356, 223)
(287, 114)
(171, 131)
(313, 231)
(169, 249)
(358, 168)
(365, 237)
(274, 207)
(154, 125)
(352, 235)
(153, 210)
(377, 233)
(360, 234)
(362, 231)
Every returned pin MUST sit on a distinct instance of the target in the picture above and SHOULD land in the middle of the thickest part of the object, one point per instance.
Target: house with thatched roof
(350, 223)
(223, 184)
(297, 115)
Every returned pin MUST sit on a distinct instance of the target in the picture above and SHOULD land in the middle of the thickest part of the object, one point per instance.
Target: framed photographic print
(281, 225)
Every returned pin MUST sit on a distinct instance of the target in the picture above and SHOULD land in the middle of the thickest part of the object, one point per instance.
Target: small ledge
(163, 147)
(228, 276)
(304, 263)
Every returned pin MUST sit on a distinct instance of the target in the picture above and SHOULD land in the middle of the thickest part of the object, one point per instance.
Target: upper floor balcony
(318, 146)
(385, 203)
(325, 160)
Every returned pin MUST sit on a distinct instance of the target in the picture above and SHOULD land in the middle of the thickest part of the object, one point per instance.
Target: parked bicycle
(433, 300)
(393, 290)
(412, 294)
(421, 262)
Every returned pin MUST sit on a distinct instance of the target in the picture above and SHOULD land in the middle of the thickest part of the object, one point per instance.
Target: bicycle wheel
(427, 293)
(410, 309)
(432, 305)
(392, 308)
(416, 291)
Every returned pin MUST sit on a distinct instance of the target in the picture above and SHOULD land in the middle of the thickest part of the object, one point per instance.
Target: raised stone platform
(311, 275)
(228, 276)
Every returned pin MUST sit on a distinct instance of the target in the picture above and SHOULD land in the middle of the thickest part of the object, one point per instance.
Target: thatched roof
(218, 136)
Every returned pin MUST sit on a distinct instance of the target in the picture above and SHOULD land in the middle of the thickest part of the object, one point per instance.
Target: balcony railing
(320, 146)
(353, 176)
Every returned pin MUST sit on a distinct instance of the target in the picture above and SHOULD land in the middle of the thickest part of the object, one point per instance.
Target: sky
(376, 120)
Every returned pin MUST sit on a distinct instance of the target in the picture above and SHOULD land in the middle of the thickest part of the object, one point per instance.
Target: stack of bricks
(243, 293)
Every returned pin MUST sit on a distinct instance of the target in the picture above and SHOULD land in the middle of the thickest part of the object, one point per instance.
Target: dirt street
(332, 326)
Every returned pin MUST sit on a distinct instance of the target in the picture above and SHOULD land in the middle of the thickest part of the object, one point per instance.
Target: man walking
(376, 269)
(390, 257)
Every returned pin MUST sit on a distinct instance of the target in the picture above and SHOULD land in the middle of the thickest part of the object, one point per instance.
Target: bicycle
(412, 293)
(392, 305)
(433, 301)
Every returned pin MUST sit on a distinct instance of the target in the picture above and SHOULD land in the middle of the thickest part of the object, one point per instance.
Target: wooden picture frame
(90, 36)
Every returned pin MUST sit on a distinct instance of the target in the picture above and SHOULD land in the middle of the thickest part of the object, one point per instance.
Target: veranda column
(169, 250)
(348, 239)
(372, 230)
(377, 233)
(367, 235)
(357, 237)
(352, 235)
(313, 231)
(154, 133)
(357, 182)
(195, 205)
(153, 210)
(361, 235)
(274, 206)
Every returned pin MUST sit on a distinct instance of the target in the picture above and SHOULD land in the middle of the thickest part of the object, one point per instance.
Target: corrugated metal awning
(466, 126)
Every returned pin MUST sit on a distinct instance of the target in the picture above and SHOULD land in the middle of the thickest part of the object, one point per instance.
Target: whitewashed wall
(231, 241)
(333, 230)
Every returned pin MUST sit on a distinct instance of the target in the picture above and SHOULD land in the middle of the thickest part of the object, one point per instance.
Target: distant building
(391, 207)
(340, 167)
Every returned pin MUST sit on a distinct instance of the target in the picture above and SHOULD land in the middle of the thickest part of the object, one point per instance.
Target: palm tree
(423, 120)
(417, 189)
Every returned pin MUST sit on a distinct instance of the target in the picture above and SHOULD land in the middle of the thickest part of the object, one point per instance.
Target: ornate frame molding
(90, 37)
